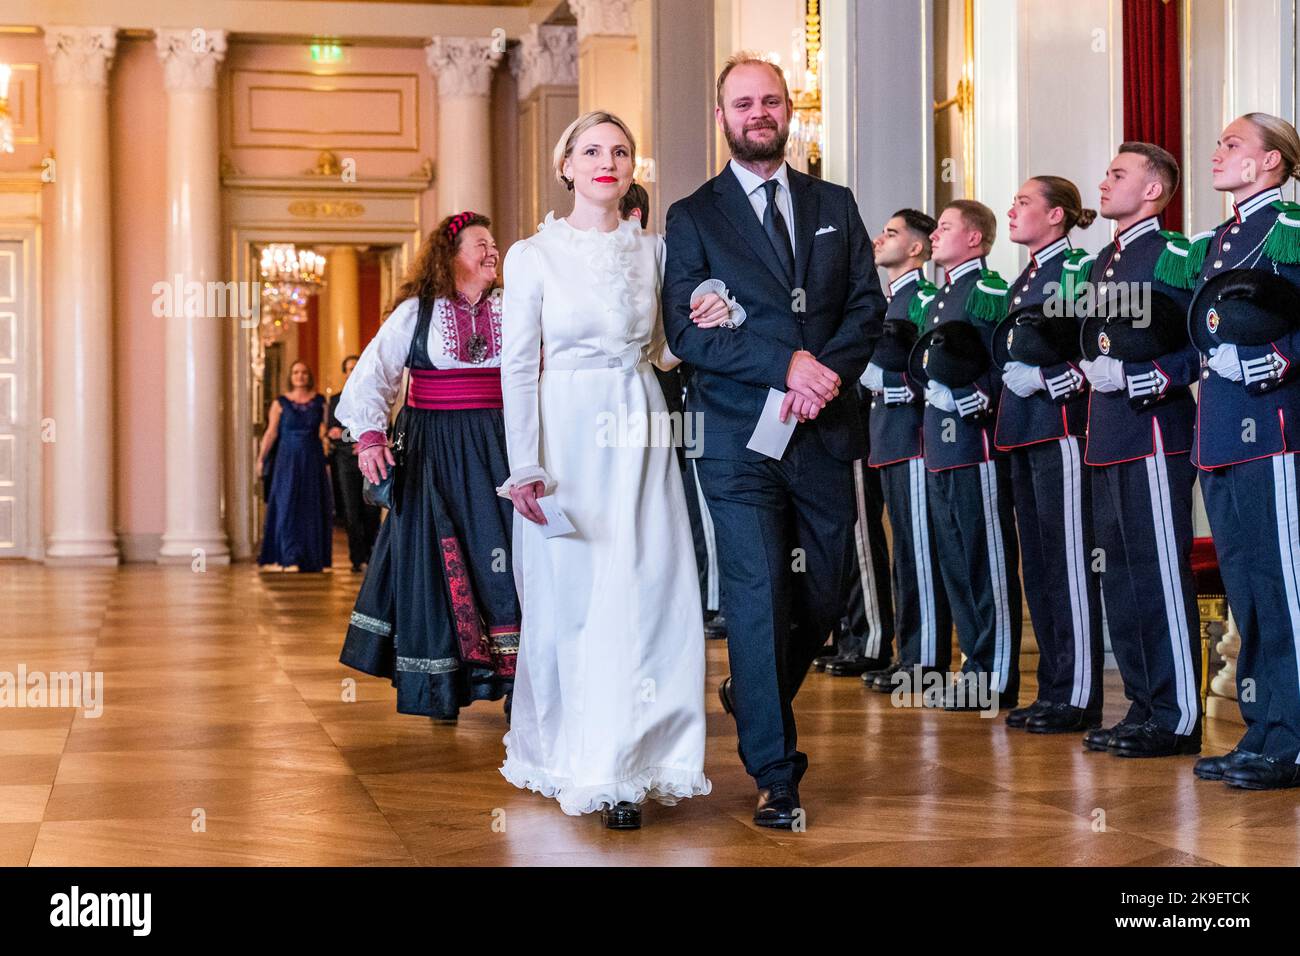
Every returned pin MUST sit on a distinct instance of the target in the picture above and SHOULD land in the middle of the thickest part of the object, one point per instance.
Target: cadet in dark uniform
(1248, 434)
(922, 621)
(1141, 415)
(968, 481)
(1041, 420)
(359, 518)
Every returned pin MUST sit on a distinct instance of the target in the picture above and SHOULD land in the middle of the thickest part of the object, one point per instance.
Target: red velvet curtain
(1153, 95)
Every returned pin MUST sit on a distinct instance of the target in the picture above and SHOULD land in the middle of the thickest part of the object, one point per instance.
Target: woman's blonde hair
(1277, 134)
(564, 148)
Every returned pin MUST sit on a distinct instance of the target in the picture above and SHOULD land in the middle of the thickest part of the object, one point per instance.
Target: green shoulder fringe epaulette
(925, 293)
(1075, 271)
(988, 300)
(1282, 244)
(1181, 262)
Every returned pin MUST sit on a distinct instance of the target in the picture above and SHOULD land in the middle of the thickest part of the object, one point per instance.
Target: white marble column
(192, 343)
(81, 340)
(463, 67)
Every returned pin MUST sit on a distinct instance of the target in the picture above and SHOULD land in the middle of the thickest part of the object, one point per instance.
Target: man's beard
(751, 152)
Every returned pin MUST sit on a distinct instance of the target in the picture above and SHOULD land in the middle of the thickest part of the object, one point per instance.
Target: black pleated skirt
(437, 612)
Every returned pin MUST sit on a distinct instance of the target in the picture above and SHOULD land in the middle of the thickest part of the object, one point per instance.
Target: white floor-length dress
(609, 690)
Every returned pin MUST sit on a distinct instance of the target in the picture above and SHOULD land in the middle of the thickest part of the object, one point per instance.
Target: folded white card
(557, 523)
(771, 435)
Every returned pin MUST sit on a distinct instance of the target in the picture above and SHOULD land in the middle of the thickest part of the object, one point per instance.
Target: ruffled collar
(626, 228)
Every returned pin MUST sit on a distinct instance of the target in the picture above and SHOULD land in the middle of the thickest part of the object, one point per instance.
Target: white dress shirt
(753, 187)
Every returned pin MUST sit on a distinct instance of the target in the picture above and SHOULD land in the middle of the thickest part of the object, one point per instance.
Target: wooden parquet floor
(224, 740)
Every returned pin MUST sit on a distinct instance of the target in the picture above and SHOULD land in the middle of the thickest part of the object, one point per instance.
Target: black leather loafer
(1263, 773)
(724, 695)
(777, 806)
(819, 663)
(1062, 719)
(621, 816)
(1017, 717)
(1213, 768)
(715, 628)
(855, 666)
(1152, 740)
(883, 680)
(1099, 740)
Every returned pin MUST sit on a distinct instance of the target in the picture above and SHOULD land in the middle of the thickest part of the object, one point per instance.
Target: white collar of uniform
(1256, 202)
(905, 279)
(751, 181)
(956, 272)
(1149, 224)
(1049, 252)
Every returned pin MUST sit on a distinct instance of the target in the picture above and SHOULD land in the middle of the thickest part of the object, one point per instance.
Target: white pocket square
(823, 230)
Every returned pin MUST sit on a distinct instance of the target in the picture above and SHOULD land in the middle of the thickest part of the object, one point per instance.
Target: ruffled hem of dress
(665, 785)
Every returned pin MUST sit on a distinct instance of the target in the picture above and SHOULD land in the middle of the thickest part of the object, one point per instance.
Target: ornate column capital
(81, 55)
(604, 17)
(190, 57)
(463, 65)
(546, 56)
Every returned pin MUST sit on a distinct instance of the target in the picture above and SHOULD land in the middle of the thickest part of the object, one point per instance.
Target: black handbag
(381, 493)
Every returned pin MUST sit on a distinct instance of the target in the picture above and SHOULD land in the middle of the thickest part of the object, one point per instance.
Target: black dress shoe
(1099, 740)
(1152, 740)
(1213, 768)
(777, 806)
(883, 680)
(820, 662)
(1062, 719)
(855, 666)
(724, 695)
(621, 816)
(1263, 773)
(1017, 717)
(715, 628)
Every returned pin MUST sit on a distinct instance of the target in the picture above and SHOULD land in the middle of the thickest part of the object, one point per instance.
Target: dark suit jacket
(834, 310)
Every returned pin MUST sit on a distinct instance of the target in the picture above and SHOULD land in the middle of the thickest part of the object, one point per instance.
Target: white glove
(873, 379)
(940, 396)
(1023, 379)
(1105, 373)
(1224, 362)
(1065, 383)
(899, 395)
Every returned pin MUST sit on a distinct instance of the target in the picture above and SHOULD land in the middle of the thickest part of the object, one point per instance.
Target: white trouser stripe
(1171, 584)
(998, 574)
(1076, 570)
(1288, 541)
(866, 569)
(919, 508)
(712, 602)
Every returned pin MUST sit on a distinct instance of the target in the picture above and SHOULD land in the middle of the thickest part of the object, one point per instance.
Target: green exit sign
(326, 53)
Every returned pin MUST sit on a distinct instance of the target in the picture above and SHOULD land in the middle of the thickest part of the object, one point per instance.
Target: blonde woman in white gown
(609, 690)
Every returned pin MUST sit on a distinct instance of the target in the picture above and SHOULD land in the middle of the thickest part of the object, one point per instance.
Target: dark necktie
(777, 231)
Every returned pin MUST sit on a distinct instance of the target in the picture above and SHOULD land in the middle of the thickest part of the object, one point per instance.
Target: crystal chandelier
(290, 277)
(805, 89)
(6, 116)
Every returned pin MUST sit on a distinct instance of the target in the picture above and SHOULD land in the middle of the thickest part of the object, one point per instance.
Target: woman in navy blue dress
(299, 503)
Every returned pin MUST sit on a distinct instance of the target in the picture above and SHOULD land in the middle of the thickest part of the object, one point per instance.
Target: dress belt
(628, 358)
